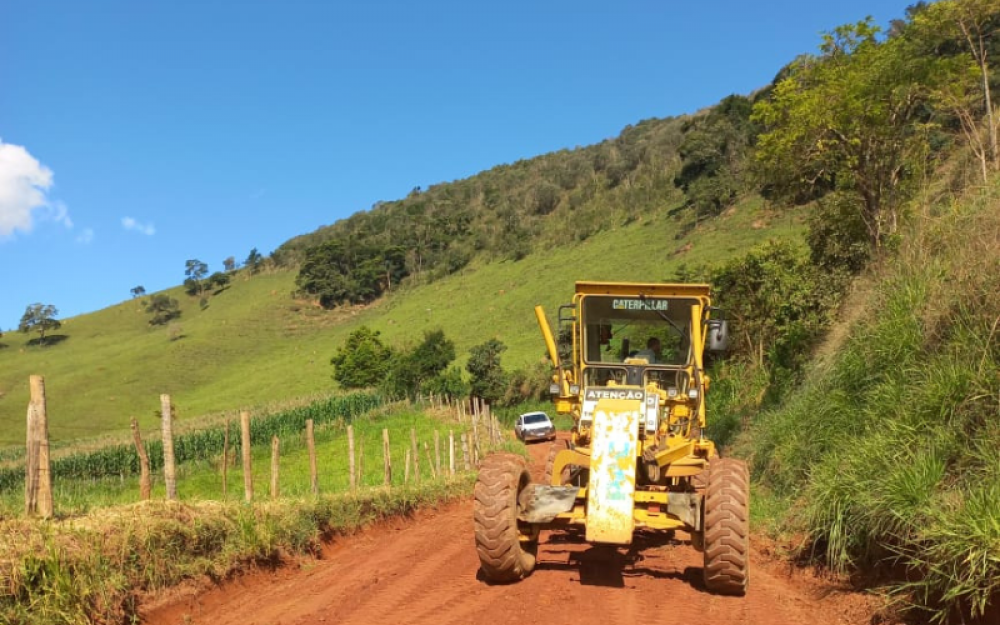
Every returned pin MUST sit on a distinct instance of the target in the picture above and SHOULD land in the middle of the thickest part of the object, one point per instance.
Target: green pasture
(254, 344)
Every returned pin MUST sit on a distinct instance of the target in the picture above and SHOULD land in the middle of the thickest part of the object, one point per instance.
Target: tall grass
(889, 449)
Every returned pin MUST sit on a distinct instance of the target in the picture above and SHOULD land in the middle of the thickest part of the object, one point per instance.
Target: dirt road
(424, 571)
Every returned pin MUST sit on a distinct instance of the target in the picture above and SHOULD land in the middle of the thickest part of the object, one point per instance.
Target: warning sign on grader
(598, 393)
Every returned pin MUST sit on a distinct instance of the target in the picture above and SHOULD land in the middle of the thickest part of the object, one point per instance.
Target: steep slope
(887, 454)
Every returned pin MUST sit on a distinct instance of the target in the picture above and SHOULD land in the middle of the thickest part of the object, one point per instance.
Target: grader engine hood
(617, 413)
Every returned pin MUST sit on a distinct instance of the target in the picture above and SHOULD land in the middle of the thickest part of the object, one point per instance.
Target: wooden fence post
(45, 504)
(437, 453)
(31, 462)
(430, 459)
(491, 420)
(361, 462)
(225, 461)
(169, 465)
(406, 471)
(416, 455)
(245, 449)
(144, 483)
(311, 443)
(350, 456)
(451, 452)
(475, 429)
(38, 476)
(386, 459)
(465, 450)
(275, 461)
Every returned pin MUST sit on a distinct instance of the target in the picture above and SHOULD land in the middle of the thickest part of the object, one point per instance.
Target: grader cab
(629, 368)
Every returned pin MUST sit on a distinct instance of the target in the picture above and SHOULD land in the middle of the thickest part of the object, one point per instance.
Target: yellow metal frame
(679, 454)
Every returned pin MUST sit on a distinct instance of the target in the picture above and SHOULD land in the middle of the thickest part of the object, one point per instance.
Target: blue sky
(137, 135)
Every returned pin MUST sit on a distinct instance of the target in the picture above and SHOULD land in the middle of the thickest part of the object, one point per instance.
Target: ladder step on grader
(629, 368)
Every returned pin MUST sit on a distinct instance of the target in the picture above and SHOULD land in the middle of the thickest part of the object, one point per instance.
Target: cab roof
(635, 289)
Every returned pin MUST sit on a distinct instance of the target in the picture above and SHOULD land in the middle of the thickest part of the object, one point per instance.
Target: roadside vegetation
(99, 570)
(888, 451)
(875, 438)
(105, 553)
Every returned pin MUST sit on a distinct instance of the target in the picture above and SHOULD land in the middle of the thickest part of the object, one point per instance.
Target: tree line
(365, 361)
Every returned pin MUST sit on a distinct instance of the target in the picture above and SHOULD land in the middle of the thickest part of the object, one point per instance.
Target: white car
(534, 426)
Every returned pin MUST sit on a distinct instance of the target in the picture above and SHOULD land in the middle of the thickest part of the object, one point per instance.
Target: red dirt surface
(424, 571)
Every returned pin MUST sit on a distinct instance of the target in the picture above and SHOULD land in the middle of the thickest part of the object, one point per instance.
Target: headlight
(671, 393)
(574, 389)
(554, 389)
(693, 393)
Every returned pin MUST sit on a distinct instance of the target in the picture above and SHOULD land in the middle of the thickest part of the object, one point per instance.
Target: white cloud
(131, 224)
(24, 185)
(86, 236)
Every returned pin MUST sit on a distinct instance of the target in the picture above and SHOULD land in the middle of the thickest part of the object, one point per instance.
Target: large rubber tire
(727, 527)
(503, 556)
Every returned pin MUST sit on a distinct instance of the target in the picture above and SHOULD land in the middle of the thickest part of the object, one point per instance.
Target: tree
(713, 153)
(163, 309)
(195, 270)
(217, 280)
(39, 318)
(778, 303)
(362, 361)
(137, 291)
(847, 119)
(416, 370)
(254, 261)
(431, 356)
(229, 264)
(448, 383)
(488, 378)
(963, 33)
(339, 272)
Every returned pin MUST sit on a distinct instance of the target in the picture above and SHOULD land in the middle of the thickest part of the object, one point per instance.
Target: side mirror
(717, 340)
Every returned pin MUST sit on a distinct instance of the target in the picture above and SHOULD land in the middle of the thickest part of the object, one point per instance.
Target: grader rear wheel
(504, 556)
(726, 528)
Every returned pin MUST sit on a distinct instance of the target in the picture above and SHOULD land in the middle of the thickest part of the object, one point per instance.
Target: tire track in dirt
(423, 571)
(426, 586)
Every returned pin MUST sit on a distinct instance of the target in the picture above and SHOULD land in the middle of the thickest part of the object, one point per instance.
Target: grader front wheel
(727, 524)
(506, 552)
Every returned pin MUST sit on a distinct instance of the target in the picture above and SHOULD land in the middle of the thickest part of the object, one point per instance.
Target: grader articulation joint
(629, 369)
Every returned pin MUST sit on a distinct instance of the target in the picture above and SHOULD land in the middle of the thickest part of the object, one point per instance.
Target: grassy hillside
(255, 344)
(888, 453)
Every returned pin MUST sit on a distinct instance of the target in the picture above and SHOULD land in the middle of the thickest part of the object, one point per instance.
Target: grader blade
(545, 502)
(610, 495)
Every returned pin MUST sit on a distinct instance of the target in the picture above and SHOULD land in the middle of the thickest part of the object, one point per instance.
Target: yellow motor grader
(629, 368)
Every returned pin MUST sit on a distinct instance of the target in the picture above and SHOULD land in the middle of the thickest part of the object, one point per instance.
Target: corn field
(122, 460)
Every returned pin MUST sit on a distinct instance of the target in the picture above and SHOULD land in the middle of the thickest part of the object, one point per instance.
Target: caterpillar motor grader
(629, 368)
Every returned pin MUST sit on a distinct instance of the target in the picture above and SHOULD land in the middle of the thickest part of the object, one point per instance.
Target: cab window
(618, 328)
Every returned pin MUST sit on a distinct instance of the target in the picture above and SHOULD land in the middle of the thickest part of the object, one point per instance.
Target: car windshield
(618, 328)
(535, 418)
